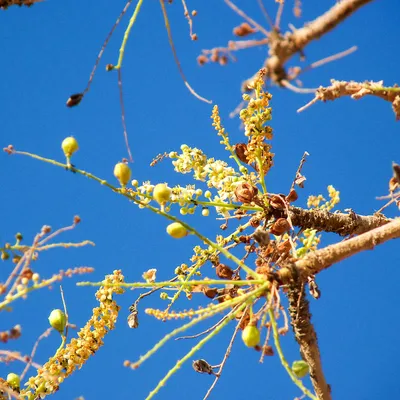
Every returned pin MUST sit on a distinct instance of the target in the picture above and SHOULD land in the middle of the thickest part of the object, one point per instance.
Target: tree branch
(357, 90)
(283, 46)
(319, 260)
(341, 223)
(306, 337)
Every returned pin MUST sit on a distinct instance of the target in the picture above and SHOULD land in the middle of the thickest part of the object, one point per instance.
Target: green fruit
(251, 336)
(13, 381)
(300, 368)
(58, 320)
(177, 230)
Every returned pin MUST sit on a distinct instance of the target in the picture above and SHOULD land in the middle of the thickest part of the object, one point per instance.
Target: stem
(284, 362)
(127, 32)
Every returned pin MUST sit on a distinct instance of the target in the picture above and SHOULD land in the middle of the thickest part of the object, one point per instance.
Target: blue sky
(48, 51)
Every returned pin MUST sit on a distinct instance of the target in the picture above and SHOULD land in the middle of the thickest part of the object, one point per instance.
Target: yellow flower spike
(177, 230)
(123, 173)
(69, 146)
(162, 193)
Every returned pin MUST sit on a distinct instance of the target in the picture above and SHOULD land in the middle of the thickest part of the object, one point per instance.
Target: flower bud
(161, 193)
(58, 320)
(251, 335)
(300, 368)
(245, 193)
(13, 381)
(123, 173)
(177, 230)
(205, 212)
(69, 146)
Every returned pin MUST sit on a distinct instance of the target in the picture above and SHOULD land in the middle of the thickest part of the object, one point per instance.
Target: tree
(248, 276)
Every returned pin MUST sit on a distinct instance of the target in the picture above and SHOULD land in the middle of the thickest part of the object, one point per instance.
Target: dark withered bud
(280, 226)
(240, 150)
(292, 196)
(299, 181)
(223, 271)
(245, 193)
(396, 172)
(202, 367)
(284, 247)
(210, 292)
(133, 318)
(393, 185)
(268, 351)
(109, 67)
(255, 222)
(261, 237)
(277, 202)
(74, 99)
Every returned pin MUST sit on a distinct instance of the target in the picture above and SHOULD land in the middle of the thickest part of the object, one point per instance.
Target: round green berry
(251, 336)
(161, 193)
(58, 320)
(13, 381)
(177, 230)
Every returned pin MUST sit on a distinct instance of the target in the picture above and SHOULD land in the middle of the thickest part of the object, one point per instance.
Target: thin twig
(227, 353)
(121, 101)
(247, 18)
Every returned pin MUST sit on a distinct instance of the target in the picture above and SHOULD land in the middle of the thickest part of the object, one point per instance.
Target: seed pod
(123, 173)
(300, 368)
(74, 99)
(245, 192)
(223, 271)
(277, 202)
(202, 367)
(240, 150)
(58, 320)
(210, 292)
(280, 226)
(177, 230)
(292, 196)
(251, 335)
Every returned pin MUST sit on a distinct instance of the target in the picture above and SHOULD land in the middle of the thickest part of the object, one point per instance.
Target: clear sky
(47, 54)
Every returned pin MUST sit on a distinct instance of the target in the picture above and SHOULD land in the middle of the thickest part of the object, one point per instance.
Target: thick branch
(283, 47)
(307, 338)
(341, 223)
(357, 90)
(4, 4)
(319, 260)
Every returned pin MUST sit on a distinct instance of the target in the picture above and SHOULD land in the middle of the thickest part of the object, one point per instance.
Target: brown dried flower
(223, 271)
(245, 192)
(280, 226)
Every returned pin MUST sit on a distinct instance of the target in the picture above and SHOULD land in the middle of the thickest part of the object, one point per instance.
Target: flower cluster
(78, 351)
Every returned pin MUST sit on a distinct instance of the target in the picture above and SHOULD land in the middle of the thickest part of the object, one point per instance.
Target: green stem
(225, 205)
(126, 35)
(261, 173)
(176, 283)
(284, 362)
